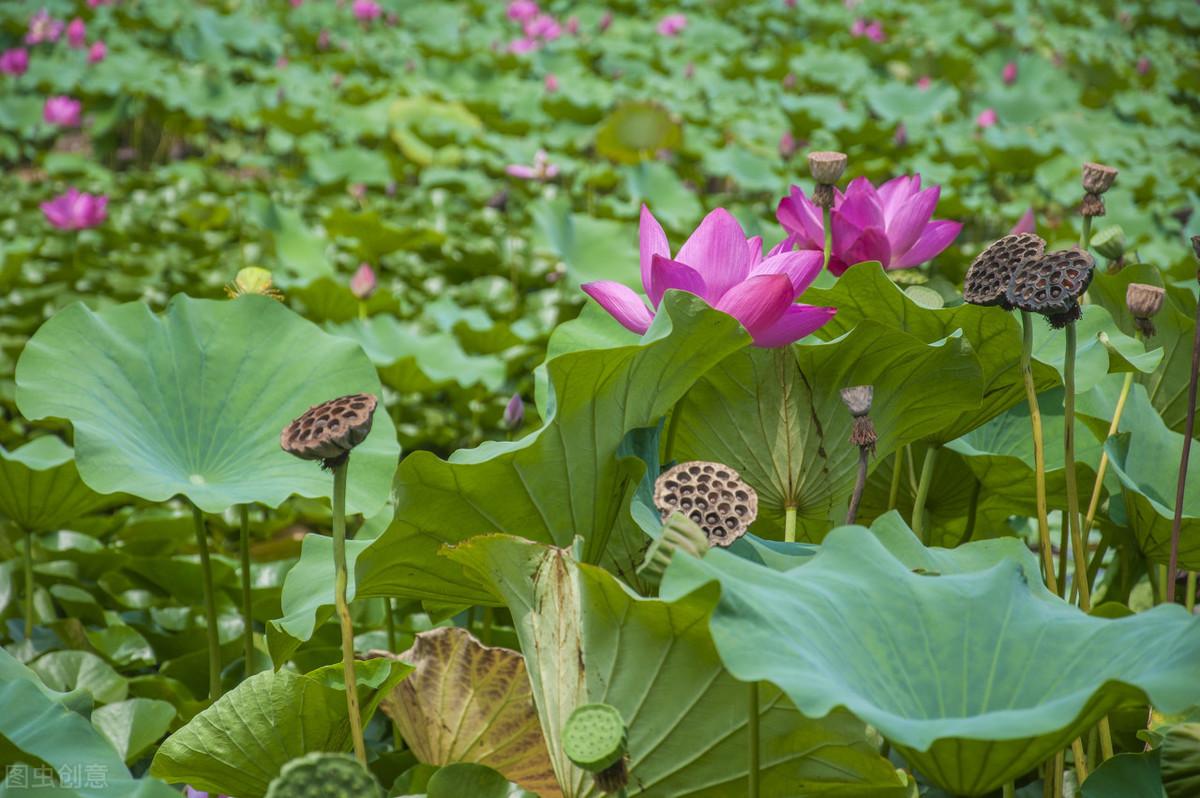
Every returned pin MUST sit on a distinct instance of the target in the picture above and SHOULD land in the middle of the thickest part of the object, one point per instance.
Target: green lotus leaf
(778, 418)
(40, 488)
(1101, 348)
(237, 745)
(972, 698)
(133, 726)
(1126, 776)
(864, 293)
(82, 670)
(39, 729)
(564, 480)
(587, 638)
(1146, 460)
(466, 778)
(192, 402)
(637, 131)
(1181, 759)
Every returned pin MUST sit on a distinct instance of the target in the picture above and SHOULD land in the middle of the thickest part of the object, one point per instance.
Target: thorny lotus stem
(1072, 520)
(343, 609)
(918, 513)
(752, 773)
(210, 608)
(1039, 451)
(789, 524)
(825, 225)
(1188, 429)
(894, 492)
(28, 584)
(247, 599)
(859, 483)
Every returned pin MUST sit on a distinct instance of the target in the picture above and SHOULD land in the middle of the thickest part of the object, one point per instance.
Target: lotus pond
(561, 399)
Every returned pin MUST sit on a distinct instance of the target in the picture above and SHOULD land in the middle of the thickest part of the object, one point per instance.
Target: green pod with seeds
(324, 775)
(594, 737)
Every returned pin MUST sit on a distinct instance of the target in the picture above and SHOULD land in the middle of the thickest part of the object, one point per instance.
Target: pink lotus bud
(789, 80)
(1143, 65)
(987, 118)
(1010, 73)
(573, 26)
(672, 24)
(605, 21)
(366, 10)
(77, 34)
(551, 83)
(514, 412)
(787, 144)
(97, 52)
(323, 40)
(14, 61)
(76, 210)
(363, 283)
(522, 10)
(924, 82)
(61, 111)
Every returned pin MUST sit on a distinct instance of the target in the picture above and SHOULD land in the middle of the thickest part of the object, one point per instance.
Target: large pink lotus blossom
(1009, 74)
(987, 118)
(672, 24)
(76, 210)
(62, 111)
(14, 61)
(728, 271)
(97, 52)
(522, 10)
(43, 28)
(366, 10)
(891, 224)
(77, 34)
(542, 169)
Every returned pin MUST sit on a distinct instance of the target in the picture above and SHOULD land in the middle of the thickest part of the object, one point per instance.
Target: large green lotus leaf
(237, 745)
(1126, 776)
(778, 418)
(972, 698)
(82, 670)
(1146, 460)
(39, 729)
(40, 488)
(1101, 348)
(192, 402)
(588, 638)
(133, 726)
(865, 293)
(564, 480)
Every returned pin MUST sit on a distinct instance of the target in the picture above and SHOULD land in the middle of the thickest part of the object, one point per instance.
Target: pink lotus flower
(14, 61)
(892, 224)
(43, 28)
(76, 210)
(1143, 65)
(728, 271)
(363, 283)
(77, 34)
(1009, 75)
(987, 118)
(672, 24)
(606, 21)
(97, 52)
(522, 10)
(366, 10)
(542, 169)
(871, 29)
(573, 25)
(61, 111)
(924, 82)
(1026, 224)
(544, 27)
(551, 83)
(522, 46)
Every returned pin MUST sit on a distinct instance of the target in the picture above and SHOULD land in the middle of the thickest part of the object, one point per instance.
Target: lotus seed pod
(1052, 285)
(1098, 178)
(858, 399)
(679, 533)
(252, 280)
(328, 431)
(1110, 242)
(324, 775)
(594, 738)
(991, 272)
(712, 495)
(826, 167)
(1144, 302)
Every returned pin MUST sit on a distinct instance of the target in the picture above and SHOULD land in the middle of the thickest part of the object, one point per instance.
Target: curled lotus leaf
(972, 698)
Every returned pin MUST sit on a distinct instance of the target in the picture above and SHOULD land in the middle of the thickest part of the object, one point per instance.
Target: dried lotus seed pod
(1144, 302)
(987, 280)
(1052, 285)
(1098, 178)
(826, 167)
(328, 431)
(712, 495)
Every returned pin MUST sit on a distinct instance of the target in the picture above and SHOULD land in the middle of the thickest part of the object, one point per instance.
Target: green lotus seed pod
(324, 775)
(1110, 242)
(680, 533)
(594, 737)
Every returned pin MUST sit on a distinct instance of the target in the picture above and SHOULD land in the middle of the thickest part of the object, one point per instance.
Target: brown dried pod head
(712, 495)
(987, 280)
(826, 167)
(1144, 302)
(1093, 205)
(857, 399)
(1098, 178)
(1052, 285)
(328, 431)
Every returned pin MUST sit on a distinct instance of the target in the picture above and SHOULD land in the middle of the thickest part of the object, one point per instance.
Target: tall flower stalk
(858, 401)
(247, 596)
(210, 608)
(826, 169)
(1189, 428)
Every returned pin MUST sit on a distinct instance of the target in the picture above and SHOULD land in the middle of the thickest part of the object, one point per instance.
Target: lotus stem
(28, 584)
(752, 772)
(247, 599)
(210, 608)
(1190, 598)
(489, 620)
(389, 621)
(789, 524)
(972, 513)
(894, 492)
(918, 513)
(859, 484)
(1189, 429)
(1039, 451)
(1056, 775)
(1106, 743)
(1081, 768)
(827, 228)
(1072, 520)
(1085, 235)
(1010, 790)
(343, 608)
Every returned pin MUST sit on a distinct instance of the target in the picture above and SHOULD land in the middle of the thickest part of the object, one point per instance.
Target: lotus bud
(594, 739)
(679, 533)
(826, 168)
(712, 495)
(514, 412)
(1110, 243)
(363, 283)
(1144, 302)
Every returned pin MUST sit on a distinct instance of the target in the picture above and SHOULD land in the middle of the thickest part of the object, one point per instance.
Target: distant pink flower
(43, 28)
(787, 144)
(14, 61)
(514, 412)
(551, 83)
(323, 40)
(61, 111)
(875, 32)
(900, 137)
(1143, 65)
(542, 169)
(363, 283)
(543, 26)
(97, 52)
(76, 210)
(924, 82)
(189, 792)
(789, 81)
(789, 3)
(672, 24)
(366, 10)
(987, 118)
(606, 21)
(871, 29)
(522, 10)
(98, 3)
(1009, 75)
(573, 26)
(522, 46)
(892, 224)
(281, 62)
(728, 271)
(689, 71)
(77, 34)
(1026, 224)
(297, 3)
